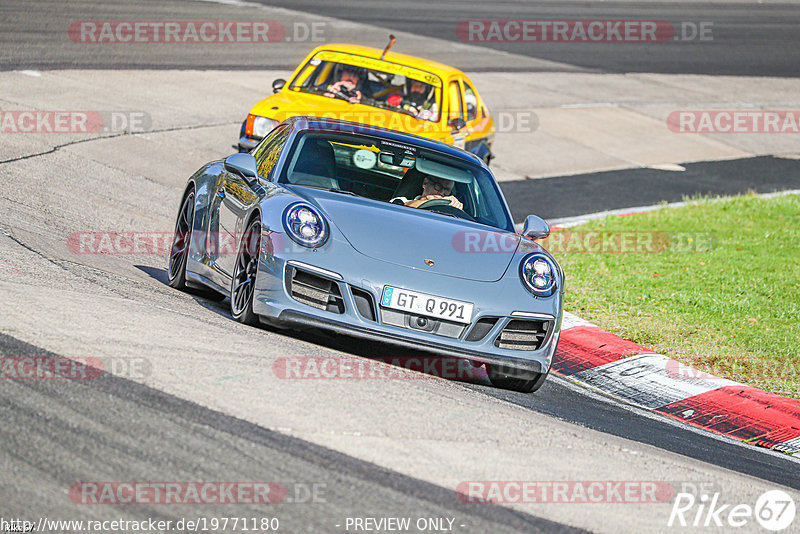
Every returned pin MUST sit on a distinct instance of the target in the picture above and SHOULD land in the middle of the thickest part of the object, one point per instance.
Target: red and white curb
(601, 360)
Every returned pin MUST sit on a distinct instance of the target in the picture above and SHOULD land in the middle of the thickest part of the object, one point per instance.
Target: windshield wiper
(342, 191)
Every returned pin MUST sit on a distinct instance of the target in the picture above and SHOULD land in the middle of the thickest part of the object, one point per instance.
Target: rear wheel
(244, 275)
(181, 246)
(523, 381)
(181, 243)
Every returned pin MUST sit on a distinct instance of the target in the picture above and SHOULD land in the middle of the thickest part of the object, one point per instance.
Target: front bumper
(305, 319)
(275, 305)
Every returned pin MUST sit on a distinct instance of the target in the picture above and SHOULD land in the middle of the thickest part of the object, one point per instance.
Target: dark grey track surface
(567, 196)
(748, 39)
(557, 400)
(58, 432)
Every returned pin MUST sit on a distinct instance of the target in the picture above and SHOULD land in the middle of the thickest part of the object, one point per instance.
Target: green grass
(717, 286)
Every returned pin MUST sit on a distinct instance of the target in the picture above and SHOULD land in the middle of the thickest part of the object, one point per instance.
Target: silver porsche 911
(376, 234)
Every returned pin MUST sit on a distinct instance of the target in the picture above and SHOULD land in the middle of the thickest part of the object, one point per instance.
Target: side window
(471, 100)
(267, 152)
(454, 104)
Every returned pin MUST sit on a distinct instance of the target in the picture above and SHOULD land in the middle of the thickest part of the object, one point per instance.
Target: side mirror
(535, 227)
(277, 85)
(243, 164)
(458, 124)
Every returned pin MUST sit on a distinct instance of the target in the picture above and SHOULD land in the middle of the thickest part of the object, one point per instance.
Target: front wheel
(244, 275)
(522, 381)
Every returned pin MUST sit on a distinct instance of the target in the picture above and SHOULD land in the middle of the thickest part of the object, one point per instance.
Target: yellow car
(379, 88)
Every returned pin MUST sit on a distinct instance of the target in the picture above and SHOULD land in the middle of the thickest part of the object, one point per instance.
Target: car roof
(392, 57)
(313, 123)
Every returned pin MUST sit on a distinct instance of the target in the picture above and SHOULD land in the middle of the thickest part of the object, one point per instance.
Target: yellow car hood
(280, 107)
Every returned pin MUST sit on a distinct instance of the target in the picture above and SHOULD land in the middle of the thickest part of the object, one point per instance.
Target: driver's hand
(455, 202)
(342, 86)
(408, 106)
(420, 201)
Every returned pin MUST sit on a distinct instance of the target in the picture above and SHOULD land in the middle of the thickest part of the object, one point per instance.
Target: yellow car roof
(391, 57)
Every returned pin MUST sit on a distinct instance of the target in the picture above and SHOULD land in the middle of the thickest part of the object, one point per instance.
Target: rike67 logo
(774, 510)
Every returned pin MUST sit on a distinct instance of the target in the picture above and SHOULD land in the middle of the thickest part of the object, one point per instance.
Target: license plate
(427, 305)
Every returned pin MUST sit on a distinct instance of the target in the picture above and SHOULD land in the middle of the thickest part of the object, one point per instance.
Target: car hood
(280, 108)
(408, 237)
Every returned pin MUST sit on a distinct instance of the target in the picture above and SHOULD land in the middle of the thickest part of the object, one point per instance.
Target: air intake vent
(316, 291)
(364, 303)
(522, 335)
(481, 328)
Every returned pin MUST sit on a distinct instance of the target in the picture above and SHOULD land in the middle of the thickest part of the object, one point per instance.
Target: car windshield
(372, 82)
(383, 170)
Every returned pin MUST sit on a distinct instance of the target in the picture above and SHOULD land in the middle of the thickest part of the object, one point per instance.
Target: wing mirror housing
(277, 85)
(535, 228)
(243, 164)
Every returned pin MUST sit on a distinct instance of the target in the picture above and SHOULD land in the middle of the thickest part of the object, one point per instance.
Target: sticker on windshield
(380, 66)
(411, 149)
(364, 159)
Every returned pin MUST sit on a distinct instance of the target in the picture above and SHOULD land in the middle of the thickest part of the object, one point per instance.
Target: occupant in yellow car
(419, 99)
(350, 82)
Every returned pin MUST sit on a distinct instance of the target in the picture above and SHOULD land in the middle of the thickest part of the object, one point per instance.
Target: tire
(500, 379)
(244, 275)
(179, 253)
(181, 243)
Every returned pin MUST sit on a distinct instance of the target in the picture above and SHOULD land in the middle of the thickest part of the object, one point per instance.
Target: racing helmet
(418, 98)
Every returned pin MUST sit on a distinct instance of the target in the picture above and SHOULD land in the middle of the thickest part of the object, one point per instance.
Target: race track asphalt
(569, 196)
(210, 407)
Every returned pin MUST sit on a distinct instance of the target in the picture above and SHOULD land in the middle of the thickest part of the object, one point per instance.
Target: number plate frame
(434, 306)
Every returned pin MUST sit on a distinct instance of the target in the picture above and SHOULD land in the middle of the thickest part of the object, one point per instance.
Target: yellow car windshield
(372, 82)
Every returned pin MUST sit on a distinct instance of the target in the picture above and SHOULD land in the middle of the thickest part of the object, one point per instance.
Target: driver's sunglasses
(349, 77)
(438, 186)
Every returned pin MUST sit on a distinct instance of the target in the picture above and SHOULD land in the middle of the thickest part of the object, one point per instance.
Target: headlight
(305, 225)
(262, 126)
(538, 273)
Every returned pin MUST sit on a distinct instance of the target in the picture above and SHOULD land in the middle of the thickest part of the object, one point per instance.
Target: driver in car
(419, 100)
(432, 189)
(349, 84)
